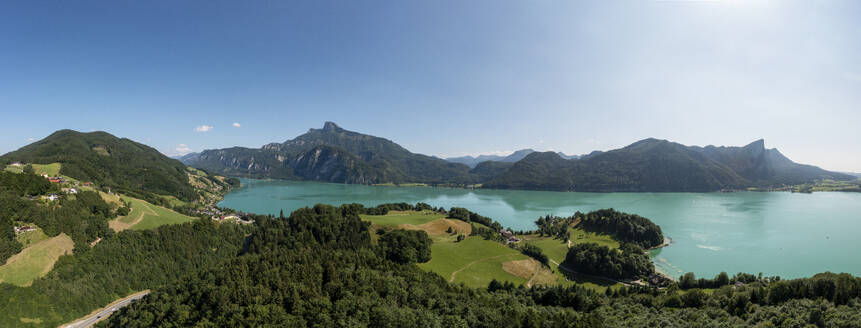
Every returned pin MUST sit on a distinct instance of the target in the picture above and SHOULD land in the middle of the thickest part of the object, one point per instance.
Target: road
(91, 319)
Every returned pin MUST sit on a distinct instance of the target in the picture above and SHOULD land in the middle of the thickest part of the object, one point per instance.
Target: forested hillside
(120, 164)
(119, 265)
(660, 165)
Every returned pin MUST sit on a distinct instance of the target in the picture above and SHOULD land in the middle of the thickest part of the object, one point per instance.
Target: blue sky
(439, 77)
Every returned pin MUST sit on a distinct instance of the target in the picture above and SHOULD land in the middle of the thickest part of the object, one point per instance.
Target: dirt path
(537, 271)
(118, 225)
(471, 263)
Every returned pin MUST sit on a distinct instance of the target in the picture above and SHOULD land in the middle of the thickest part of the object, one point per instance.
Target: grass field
(556, 250)
(35, 261)
(111, 198)
(49, 169)
(31, 237)
(395, 218)
(473, 261)
(173, 201)
(146, 216)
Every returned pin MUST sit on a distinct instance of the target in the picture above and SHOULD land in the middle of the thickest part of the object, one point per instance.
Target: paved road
(104, 313)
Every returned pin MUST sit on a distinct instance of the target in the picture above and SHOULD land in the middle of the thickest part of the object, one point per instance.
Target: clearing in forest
(146, 216)
(35, 261)
(472, 261)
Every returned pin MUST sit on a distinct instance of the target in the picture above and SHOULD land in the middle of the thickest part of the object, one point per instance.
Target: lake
(776, 233)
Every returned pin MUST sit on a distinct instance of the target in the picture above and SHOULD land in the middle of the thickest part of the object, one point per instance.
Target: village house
(52, 197)
(509, 236)
(20, 230)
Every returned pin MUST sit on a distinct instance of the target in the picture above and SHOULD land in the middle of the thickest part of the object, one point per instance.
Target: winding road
(102, 314)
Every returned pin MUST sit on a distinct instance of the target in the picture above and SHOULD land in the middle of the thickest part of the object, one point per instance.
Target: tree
(406, 246)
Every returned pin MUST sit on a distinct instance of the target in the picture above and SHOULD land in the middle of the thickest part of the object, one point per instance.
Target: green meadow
(52, 169)
(472, 261)
(144, 216)
(35, 260)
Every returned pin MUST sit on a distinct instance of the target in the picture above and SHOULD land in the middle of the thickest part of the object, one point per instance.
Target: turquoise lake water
(776, 233)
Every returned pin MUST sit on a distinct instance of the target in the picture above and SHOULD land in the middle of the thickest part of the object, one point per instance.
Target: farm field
(35, 261)
(146, 216)
(472, 261)
(556, 250)
(395, 218)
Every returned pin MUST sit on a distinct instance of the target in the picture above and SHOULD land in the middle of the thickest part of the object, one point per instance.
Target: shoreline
(667, 242)
(481, 187)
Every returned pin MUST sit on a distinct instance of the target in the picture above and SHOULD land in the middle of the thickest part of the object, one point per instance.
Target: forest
(318, 268)
(121, 264)
(628, 262)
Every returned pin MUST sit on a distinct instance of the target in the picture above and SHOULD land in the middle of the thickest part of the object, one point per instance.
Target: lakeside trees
(629, 261)
(629, 228)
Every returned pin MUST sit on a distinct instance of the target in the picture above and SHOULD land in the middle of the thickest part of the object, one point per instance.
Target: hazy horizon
(441, 78)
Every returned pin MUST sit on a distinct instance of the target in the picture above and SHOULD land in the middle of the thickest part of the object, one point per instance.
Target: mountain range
(473, 161)
(333, 154)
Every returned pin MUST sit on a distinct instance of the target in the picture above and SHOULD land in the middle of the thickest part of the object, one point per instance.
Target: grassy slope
(474, 261)
(556, 251)
(146, 216)
(52, 169)
(31, 237)
(35, 261)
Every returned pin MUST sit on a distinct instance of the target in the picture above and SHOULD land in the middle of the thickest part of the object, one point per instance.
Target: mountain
(333, 154)
(660, 165)
(121, 164)
(473, 161)
(190, 157)
(561, 154)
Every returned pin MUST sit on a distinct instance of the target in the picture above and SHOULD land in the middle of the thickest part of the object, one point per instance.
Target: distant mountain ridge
(660, 165)
(333, 154)
(473, 161)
